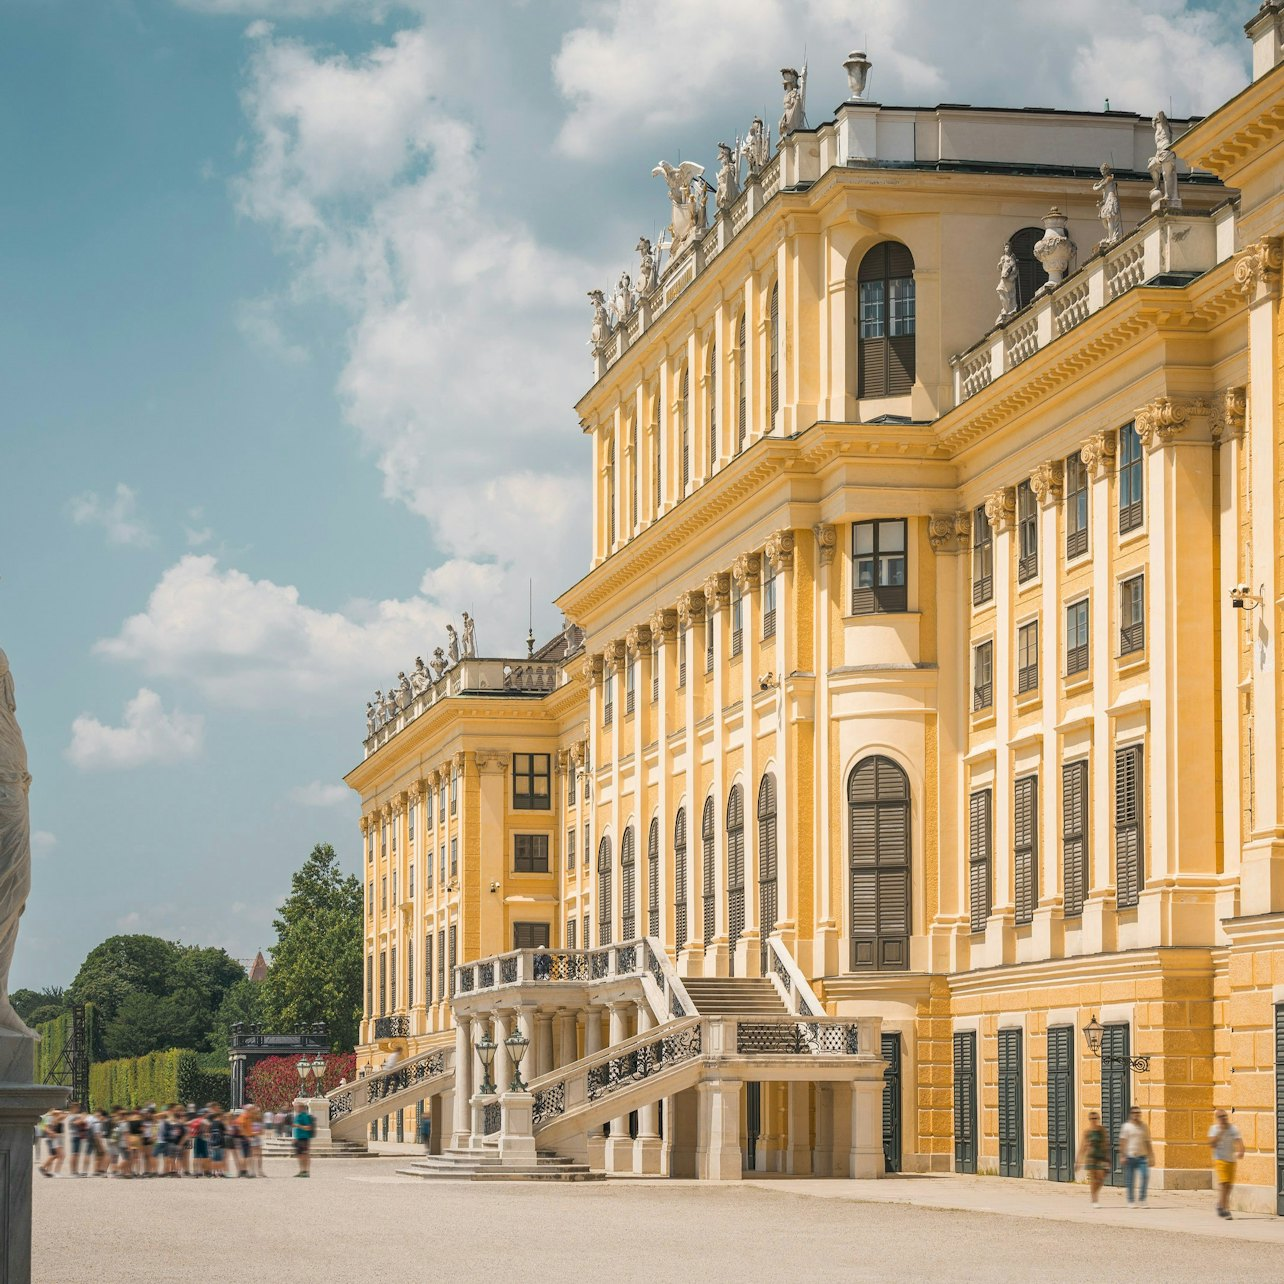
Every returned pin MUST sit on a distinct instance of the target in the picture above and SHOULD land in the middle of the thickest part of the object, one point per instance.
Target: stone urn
(1056, 250)
(857, 68)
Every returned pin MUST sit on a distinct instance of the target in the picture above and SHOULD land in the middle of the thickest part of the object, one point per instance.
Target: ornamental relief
(1098, 453)
(1162, 420)
(826, 542)
(1000, 508)
(1047, 481)
(746, 569)
(949, 532)
(664, 625)
(637, 640)
(717, 589)
(1230, 414)
(691, 607)
(779, 550)
(1258, 268)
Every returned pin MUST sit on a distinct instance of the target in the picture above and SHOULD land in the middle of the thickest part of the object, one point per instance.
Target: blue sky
(292, 319)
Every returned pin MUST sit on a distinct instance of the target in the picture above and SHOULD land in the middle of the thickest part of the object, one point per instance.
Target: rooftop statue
(452, 644)
(648, 268)
(470, 627)
(755, 148)
(1108, 210)
(371, 721)
(601, 320)
(794, 115)
(15, 839)
(625, 299)
(439, 661)
(404, 692)
(1163, 167)
(687, 218)
(857, 69)
(419, 679)
(1007, 286)
(728, 177)
(378, 707)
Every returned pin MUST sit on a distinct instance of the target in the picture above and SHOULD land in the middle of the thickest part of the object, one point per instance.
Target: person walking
(1138, 1155)
(305, 1125)
(1228, 1150)
(1094, 1155)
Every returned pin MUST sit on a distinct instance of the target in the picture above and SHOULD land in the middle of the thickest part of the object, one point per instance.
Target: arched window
(735, 871)
(742, 424)
(768, 891)
(713, 408)
(610, 494)
(680, 879)
(604, 891)
(708, 888)
(653, 879)
(628, 888)
(885, 288)
(879, 802)
(686, 430)
(1030, 274)
(773, 357)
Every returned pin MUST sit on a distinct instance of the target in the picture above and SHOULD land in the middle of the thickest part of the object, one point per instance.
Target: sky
(292, 322)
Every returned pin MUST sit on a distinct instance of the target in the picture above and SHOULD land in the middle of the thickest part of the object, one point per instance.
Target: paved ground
(356, 1219)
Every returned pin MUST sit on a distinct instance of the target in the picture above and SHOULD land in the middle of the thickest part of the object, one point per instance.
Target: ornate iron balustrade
(491, 1118)
(798, 1038)
(626, 960)
(653, 966)
(599, 964)
(376, 1087)
(549, 1103)
(391, 1027)
(467, 979)
(508, 971)
(485, 976)
(560, 965)
(642, 1062)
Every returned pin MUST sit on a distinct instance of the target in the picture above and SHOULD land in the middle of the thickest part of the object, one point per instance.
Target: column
(799, 1158)
(566, 1043)
(592, 1030)
(826, 854)
(503, 1062)
(718, 1147)
(865, 1158)
(717, 593)
(619, 1145)
(463, 1085)
(747, 571)
(647, 1148)
(543, 1046)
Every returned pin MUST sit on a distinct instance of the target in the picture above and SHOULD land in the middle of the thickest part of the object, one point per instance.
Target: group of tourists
(176, 1141)
(1135, 1149)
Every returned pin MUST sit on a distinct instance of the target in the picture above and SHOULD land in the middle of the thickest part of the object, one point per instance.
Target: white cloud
(317, 794)
(258, 321)
(148, 735)
(617, 68)
(118, 516)
(42, 843)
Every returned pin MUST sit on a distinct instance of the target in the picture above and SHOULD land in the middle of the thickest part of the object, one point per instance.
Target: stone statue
(756, 147)
(470, 625)
(378, 707)
(370, 719)
(15, 840)
(452, 645)
(601, 320)
(1163, 168)
(794, 115)
(687, 216)
(419, 679)
(728, 178)
(404, 692)
(389, 706)
(1108, 210)
(1007, 286)
(625, 301)
(439, 663)
(1056, 251)
(648, 268)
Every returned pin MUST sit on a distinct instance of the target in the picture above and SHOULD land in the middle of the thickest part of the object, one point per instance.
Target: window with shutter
(1031, 277)
(428, 995)
(610, 495)
(713, 409)
(982, 557)
(441, 964)
(1076, 638)
(980, 850)
(680, 879)
(628, 888)
(1061, 1123)
(1132, 506)
(588, 940)
(708, 887)
(737, 619)
(886, 321)
(742, 423)
(369, 985)
(530, 936)
(891, 1048)
(604, 892)
(1076, 491)
(686, 430)
(1027, 514)
(1074, 837)
(657, 458)
(879, 816)
(768, 598)
(1129, 804)
(682, 656)
(982, 676)
(454, 956)
(773, 357)
(735, 871)
(879, 555)
(635, 467)
(1028, 657)
(1132, 615)
(570, 933)
(653, 879)
(392, 978)
(965, 1101)
(410, 974)
(1011, 1120)
(1116, 1092)
(1025, 832)
(768, 890)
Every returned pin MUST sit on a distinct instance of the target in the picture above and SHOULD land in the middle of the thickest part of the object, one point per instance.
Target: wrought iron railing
(391, 1027)
(794, 989)
(386, 1083)
(491, 1118)
(798, 1038)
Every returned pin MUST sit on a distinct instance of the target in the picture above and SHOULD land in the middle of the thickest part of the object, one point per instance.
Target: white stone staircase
(735, 996)
(483, 1164)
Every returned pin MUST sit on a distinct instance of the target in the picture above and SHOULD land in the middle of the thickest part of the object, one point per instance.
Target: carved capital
(594, 666)
(1230, 414)
(1000, 508)
(691, 607)
(400, 802)
(576, 752)
(420, 789)
(458, 763)
(637, 640)
(948, 532)
(434, 779)
(1098, 453)
(1160, 421)
(366, 823)
(779, 550)
(491, 760)
(1047, 481)
(717, 589)
(746, 569)
(664, 625)
(1258, 268)
(617, 653)
(386, 812)
(826, 541)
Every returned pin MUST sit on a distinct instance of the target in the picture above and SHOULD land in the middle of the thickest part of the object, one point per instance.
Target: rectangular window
(383, 893)
(530, 853)
(1076, 507)
(1130, 873)
(630, 685)
(608, 698)
(570, 783)
(655, 674)
(570, 933)
(530, 936)
(1025, 846)
(587, 844)
(410, 824)
(411, 886)
(410, 974)
(737, 618)
(370, 898)
(394, 888)
(532, 781)
(1132, 615)
(370, 846)
(441, 802)
(1077, 638)
(428, 870)
(982, 558)
(983, 676)
(454, 955)
(1027, 513)
(427, 967)
(768, 599)
(441, 964)
(454, 792)
(879, 580)
(454, 857)
(369, 984)
(428, 809)
(396, 825)
(1132, 510)
(443, 862)
(383, 838)
(980, 851)
(708, 643)
(1028, 657)
(900, 294)
(1074, 837)
(682, 656)
(570, 848)
(584, 935)
(383, 983)
(872, 309)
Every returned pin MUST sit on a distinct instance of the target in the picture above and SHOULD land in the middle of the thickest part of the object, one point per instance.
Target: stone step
(462, 1165)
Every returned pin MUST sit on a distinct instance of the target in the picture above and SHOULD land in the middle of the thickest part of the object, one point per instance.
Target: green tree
(316, 961)
(124, 965)
(243, 1002)
(25, 1002)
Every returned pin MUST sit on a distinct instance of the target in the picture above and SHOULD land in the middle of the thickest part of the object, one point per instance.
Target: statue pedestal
(319, 1109)
(21, 1105)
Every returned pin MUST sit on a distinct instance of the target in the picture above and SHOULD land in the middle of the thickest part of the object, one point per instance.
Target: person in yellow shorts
(1228, 1150)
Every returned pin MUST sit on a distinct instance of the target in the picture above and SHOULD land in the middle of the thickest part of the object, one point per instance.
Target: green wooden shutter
(1061, 1141)
(1129, 801)
(1011, 1123)
(1026, 846)
(891, 1048)
(708, 888)
(653, 879)
(980, 841)
(735, 871)
(604, 892)
(680, 879)
(965, 1101)
(1116, 1094)
(628, 888)
(768, 890)
(1074, 837)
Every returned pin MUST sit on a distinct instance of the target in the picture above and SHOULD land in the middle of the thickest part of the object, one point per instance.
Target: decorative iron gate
(965, 1101)
(892, 1103)
(1116, 1092)
(1011, 1130)
(1061, 1103)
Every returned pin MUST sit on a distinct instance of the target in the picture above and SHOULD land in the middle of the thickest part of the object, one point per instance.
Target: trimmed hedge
(53, 1038)
(158, 1078)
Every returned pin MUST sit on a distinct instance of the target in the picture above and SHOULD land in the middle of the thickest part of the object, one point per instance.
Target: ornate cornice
(746, 569)
(1098, 453)
(717, 589)
(1000, 507)
(1258, 268)
(691, 607)
(1160, 421)
(1230, 414)
(779, 550)
(1047, 481)
(826, 541)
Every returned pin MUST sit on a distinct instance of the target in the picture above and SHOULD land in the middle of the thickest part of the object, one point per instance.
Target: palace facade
(909, 782)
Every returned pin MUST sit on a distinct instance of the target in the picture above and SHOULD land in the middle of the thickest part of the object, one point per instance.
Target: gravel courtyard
(359, 1220)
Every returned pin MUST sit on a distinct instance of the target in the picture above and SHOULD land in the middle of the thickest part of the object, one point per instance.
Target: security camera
(1243, 598)
(766, 682)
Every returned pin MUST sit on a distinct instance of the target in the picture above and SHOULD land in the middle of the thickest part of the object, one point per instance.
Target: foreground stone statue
(1007, 286)
(21, 1102)
(794, 113)
(1163, 168)
(687, 218)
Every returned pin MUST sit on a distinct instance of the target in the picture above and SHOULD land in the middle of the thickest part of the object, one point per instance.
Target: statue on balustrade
(728, 178)
(756, 147)
(687, 211)
(624, 301)
(1163, 168)
(601, 319)
(470, 631)
(370, 719)
(378, 707)
(439, 662)
(648, 268)
(452, 645)
(1007, 286)
(419, 679)
(389, 706)
(15, 839)
(794, 115)
(1108, 210)
(404, 692)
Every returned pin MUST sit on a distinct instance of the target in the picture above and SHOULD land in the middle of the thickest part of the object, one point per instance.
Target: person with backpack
(305, 1126)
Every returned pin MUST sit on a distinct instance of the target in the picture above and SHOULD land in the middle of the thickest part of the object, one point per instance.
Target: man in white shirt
(1134, 1146)
(1228, 1150)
